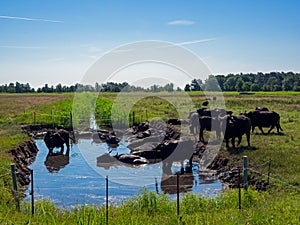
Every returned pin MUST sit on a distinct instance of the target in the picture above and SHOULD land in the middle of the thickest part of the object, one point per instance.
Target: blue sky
(57, 41)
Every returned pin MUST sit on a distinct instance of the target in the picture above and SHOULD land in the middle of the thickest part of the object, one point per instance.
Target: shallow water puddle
(79, 180)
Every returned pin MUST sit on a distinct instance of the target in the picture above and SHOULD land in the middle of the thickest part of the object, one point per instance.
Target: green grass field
(279, 205)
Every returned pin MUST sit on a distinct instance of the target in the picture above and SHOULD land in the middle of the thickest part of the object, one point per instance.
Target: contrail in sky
(30, 19)
(22, 47)
(171, 45)
(196, 41)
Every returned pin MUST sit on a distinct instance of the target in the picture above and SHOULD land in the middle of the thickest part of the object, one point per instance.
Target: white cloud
(181, 22)
(30, 19)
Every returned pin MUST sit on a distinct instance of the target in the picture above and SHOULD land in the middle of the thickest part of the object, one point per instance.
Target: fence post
(239, 184)
(14, 178)
(178, 194)
(106, 206)
(32, 192)
(34, 117)
(245, 175)
(156, 186)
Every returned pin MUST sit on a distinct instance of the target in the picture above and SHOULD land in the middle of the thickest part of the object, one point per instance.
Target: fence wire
(275, 179)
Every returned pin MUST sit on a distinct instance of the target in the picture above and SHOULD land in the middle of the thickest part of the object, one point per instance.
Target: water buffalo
(211, 112)
(131, 159)
(112, 141)
(57, 139)
(261, 108)
(194, 122)
(236, 126)
(99, 136)
(262, 119)
(141, 127)
(206, 119)
(209, 124)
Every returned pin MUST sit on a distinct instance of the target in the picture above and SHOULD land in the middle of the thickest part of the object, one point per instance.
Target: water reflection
(77, 178)
(54, 162)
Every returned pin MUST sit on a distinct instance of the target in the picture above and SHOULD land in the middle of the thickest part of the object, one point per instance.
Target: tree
(273, 84)
(211, 84)
(288, 83)
(296, 85)
(178, 89)
(169, 87)
(154, 88)
(11, 88)
(230, 83)
(187, 87)
(19, 88)
(239, 85)
(58, 88)
(221, 80)
(246, 86)
(196, 85)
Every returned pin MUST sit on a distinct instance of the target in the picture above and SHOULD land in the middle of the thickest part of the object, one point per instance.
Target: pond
(81, 181)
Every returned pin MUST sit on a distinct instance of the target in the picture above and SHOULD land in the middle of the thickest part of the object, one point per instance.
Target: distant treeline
(274, 81)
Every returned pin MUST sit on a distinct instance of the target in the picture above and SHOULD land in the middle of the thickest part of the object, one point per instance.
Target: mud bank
(229, 175)
(23, 156)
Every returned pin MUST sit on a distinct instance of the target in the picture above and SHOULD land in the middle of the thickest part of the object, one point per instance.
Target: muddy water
(80, 181)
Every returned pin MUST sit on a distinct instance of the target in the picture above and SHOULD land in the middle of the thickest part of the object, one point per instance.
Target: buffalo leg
(68, 144)
(190, 165)
(260, 128)
(233, 142)
(182, 168)
(248, 138)
(227, 143)
(278, 127)
(201, 138)
(239, 140)
(271, 129)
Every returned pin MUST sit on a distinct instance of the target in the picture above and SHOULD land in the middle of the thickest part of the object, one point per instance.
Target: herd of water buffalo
(233, 126)
(217, 120)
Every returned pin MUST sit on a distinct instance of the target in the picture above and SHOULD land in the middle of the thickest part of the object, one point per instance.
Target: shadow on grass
(241, 149)
(270, 134)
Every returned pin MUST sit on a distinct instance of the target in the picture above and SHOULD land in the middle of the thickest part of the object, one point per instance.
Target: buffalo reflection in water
(168, 180)
(56, 161)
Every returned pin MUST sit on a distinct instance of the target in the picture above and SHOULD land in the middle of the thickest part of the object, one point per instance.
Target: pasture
(278, 205)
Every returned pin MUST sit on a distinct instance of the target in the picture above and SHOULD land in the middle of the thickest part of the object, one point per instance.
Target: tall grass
(151, 208)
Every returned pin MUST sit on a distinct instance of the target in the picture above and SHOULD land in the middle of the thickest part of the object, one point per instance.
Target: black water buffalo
(57, 139)
(209, 124)
(261, 108)
(211, 112)
(206, 119)
(236, 127)
(262, 119)
(141, 127)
